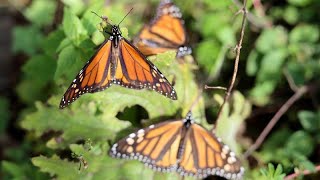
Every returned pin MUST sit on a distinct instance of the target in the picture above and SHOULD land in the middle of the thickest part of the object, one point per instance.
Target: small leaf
(252, 63)
(51, 43)
(41, 12)
(309, 120)
(304, 33)
(73, 27)
(76, 6)
(272, 39)
(300, 142)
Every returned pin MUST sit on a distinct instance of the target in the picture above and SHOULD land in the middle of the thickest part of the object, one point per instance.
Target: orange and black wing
(204, 154)
(94, 76)
(166, 32)
(157, 146)
(135, 71)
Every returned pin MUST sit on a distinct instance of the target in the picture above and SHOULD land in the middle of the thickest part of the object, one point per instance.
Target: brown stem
(301, 91)
(254, 20)
(236, 62)
(305, 172)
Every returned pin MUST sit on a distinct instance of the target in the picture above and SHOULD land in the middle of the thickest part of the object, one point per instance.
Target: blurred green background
(44, 43)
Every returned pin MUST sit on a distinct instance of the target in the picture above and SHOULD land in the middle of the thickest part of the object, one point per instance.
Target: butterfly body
(165, 32)
(117, 62)
(182, 146)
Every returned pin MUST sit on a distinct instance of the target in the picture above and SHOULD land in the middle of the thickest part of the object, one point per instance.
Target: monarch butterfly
(181, 146)
(117, 61)
(165, 32)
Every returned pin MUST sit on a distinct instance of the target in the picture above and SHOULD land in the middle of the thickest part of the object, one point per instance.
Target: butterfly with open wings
(117, 61)
(182, 146)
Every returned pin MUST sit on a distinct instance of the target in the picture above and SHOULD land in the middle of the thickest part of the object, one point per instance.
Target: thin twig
(215, 87)
(254, 20)
(236, 62)
(301, 91)
(305, 172)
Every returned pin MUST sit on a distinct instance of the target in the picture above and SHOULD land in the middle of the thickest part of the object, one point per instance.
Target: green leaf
(205, 59)
(76, 6)
(291, 14)
(305, 145)
(26, 39)
(75, 126)
(73, 27)
(232, 116)
(273, 174)
(40, 69)
(309, 120)
(252, 63)
(100, 166)
(52, 42)
(68, 57)
(304, 33)
(272, 39)
(41, 12)
(89, 20)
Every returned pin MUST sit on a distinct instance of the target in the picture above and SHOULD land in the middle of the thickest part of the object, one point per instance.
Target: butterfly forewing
(92, 77)
(140, 72)
(157, 146)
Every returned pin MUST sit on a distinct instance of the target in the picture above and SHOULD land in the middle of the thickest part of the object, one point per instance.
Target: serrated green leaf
(74, 126)
(73, 27)
(41, 12)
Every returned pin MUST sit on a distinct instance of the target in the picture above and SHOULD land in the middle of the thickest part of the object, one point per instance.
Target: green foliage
(35, 12)
(273, 174)
(287, 50)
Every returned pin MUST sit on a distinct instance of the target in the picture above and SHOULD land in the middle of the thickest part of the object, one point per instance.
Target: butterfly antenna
(125, 16)
(105, 19)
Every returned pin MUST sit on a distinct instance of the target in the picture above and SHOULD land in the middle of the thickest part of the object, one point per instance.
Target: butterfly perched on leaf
(165, 32)
(117, 61)
(181, 146)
